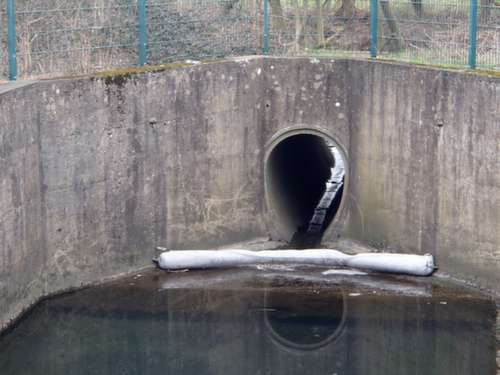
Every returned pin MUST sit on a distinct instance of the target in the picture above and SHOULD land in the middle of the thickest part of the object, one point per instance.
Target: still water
(247, 321)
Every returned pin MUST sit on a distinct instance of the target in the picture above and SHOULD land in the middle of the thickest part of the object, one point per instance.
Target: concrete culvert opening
(304, 177)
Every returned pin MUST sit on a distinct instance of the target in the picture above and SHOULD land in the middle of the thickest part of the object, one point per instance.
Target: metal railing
(66, 37)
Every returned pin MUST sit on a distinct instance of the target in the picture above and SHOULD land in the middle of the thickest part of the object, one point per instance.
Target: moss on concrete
(127, 72)
(154, 68)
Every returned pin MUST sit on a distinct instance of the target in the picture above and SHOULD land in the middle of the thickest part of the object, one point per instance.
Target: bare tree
(347, 8)
(298, 26)
(320, 27)
(278, 19)
(397, 39)
(417, 7)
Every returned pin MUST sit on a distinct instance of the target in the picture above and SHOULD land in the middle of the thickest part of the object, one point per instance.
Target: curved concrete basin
(96, 171)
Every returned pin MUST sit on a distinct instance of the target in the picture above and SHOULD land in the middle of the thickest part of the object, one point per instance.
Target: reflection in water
(122, 328)
(304, 322)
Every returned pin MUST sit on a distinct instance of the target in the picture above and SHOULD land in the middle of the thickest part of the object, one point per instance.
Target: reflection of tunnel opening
(297, 170)
(304, 322)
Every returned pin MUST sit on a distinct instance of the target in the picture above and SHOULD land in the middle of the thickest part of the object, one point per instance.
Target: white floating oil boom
(419, 265)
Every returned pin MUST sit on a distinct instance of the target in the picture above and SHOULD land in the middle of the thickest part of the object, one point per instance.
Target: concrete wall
(97, 171)
(425, 154)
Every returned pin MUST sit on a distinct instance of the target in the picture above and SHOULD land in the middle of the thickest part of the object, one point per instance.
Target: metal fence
(442, 32)
(65, 37)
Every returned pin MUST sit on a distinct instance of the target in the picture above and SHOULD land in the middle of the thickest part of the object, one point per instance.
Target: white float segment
(419, 265)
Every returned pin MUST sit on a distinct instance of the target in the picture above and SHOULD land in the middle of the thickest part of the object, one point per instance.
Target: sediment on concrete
(97, 171)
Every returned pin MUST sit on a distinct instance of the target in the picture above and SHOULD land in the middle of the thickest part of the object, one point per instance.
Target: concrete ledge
(12, 85)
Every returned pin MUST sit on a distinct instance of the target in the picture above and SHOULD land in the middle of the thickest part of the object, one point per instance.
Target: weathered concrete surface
(97, 171)
(425, 151)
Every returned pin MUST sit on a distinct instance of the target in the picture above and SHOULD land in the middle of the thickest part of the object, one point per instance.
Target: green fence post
(11, 31)
(472, 34)
(142, 32)
(373, 27)
(266, 26)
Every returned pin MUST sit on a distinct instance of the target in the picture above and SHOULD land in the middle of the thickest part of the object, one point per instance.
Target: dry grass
(439, 33)
(84, 36)
(63, 37)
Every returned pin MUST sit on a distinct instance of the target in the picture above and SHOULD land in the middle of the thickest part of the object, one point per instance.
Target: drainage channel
(333, 185)
(304, 187)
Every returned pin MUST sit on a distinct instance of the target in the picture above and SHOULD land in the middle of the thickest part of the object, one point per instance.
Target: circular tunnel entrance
(304, 180)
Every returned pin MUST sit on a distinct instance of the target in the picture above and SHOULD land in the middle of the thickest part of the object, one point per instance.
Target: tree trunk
(347, 8)
(304, 25)
(298, 25)
(278, 19)
(417, 7)
(228, 6)
(320, 27)
(380, 37)
(397, 39)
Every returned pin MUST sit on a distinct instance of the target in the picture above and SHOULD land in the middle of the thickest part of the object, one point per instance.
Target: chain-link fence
(4, 53)
(56, 36)
(320, 27)
(442, 32)
(64, 37)
(488, 34)
(197, 29)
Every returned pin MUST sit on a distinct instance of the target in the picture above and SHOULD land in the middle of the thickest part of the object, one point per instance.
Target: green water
(276, 325)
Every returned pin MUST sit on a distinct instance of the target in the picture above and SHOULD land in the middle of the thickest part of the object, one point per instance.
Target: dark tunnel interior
(296, 173)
